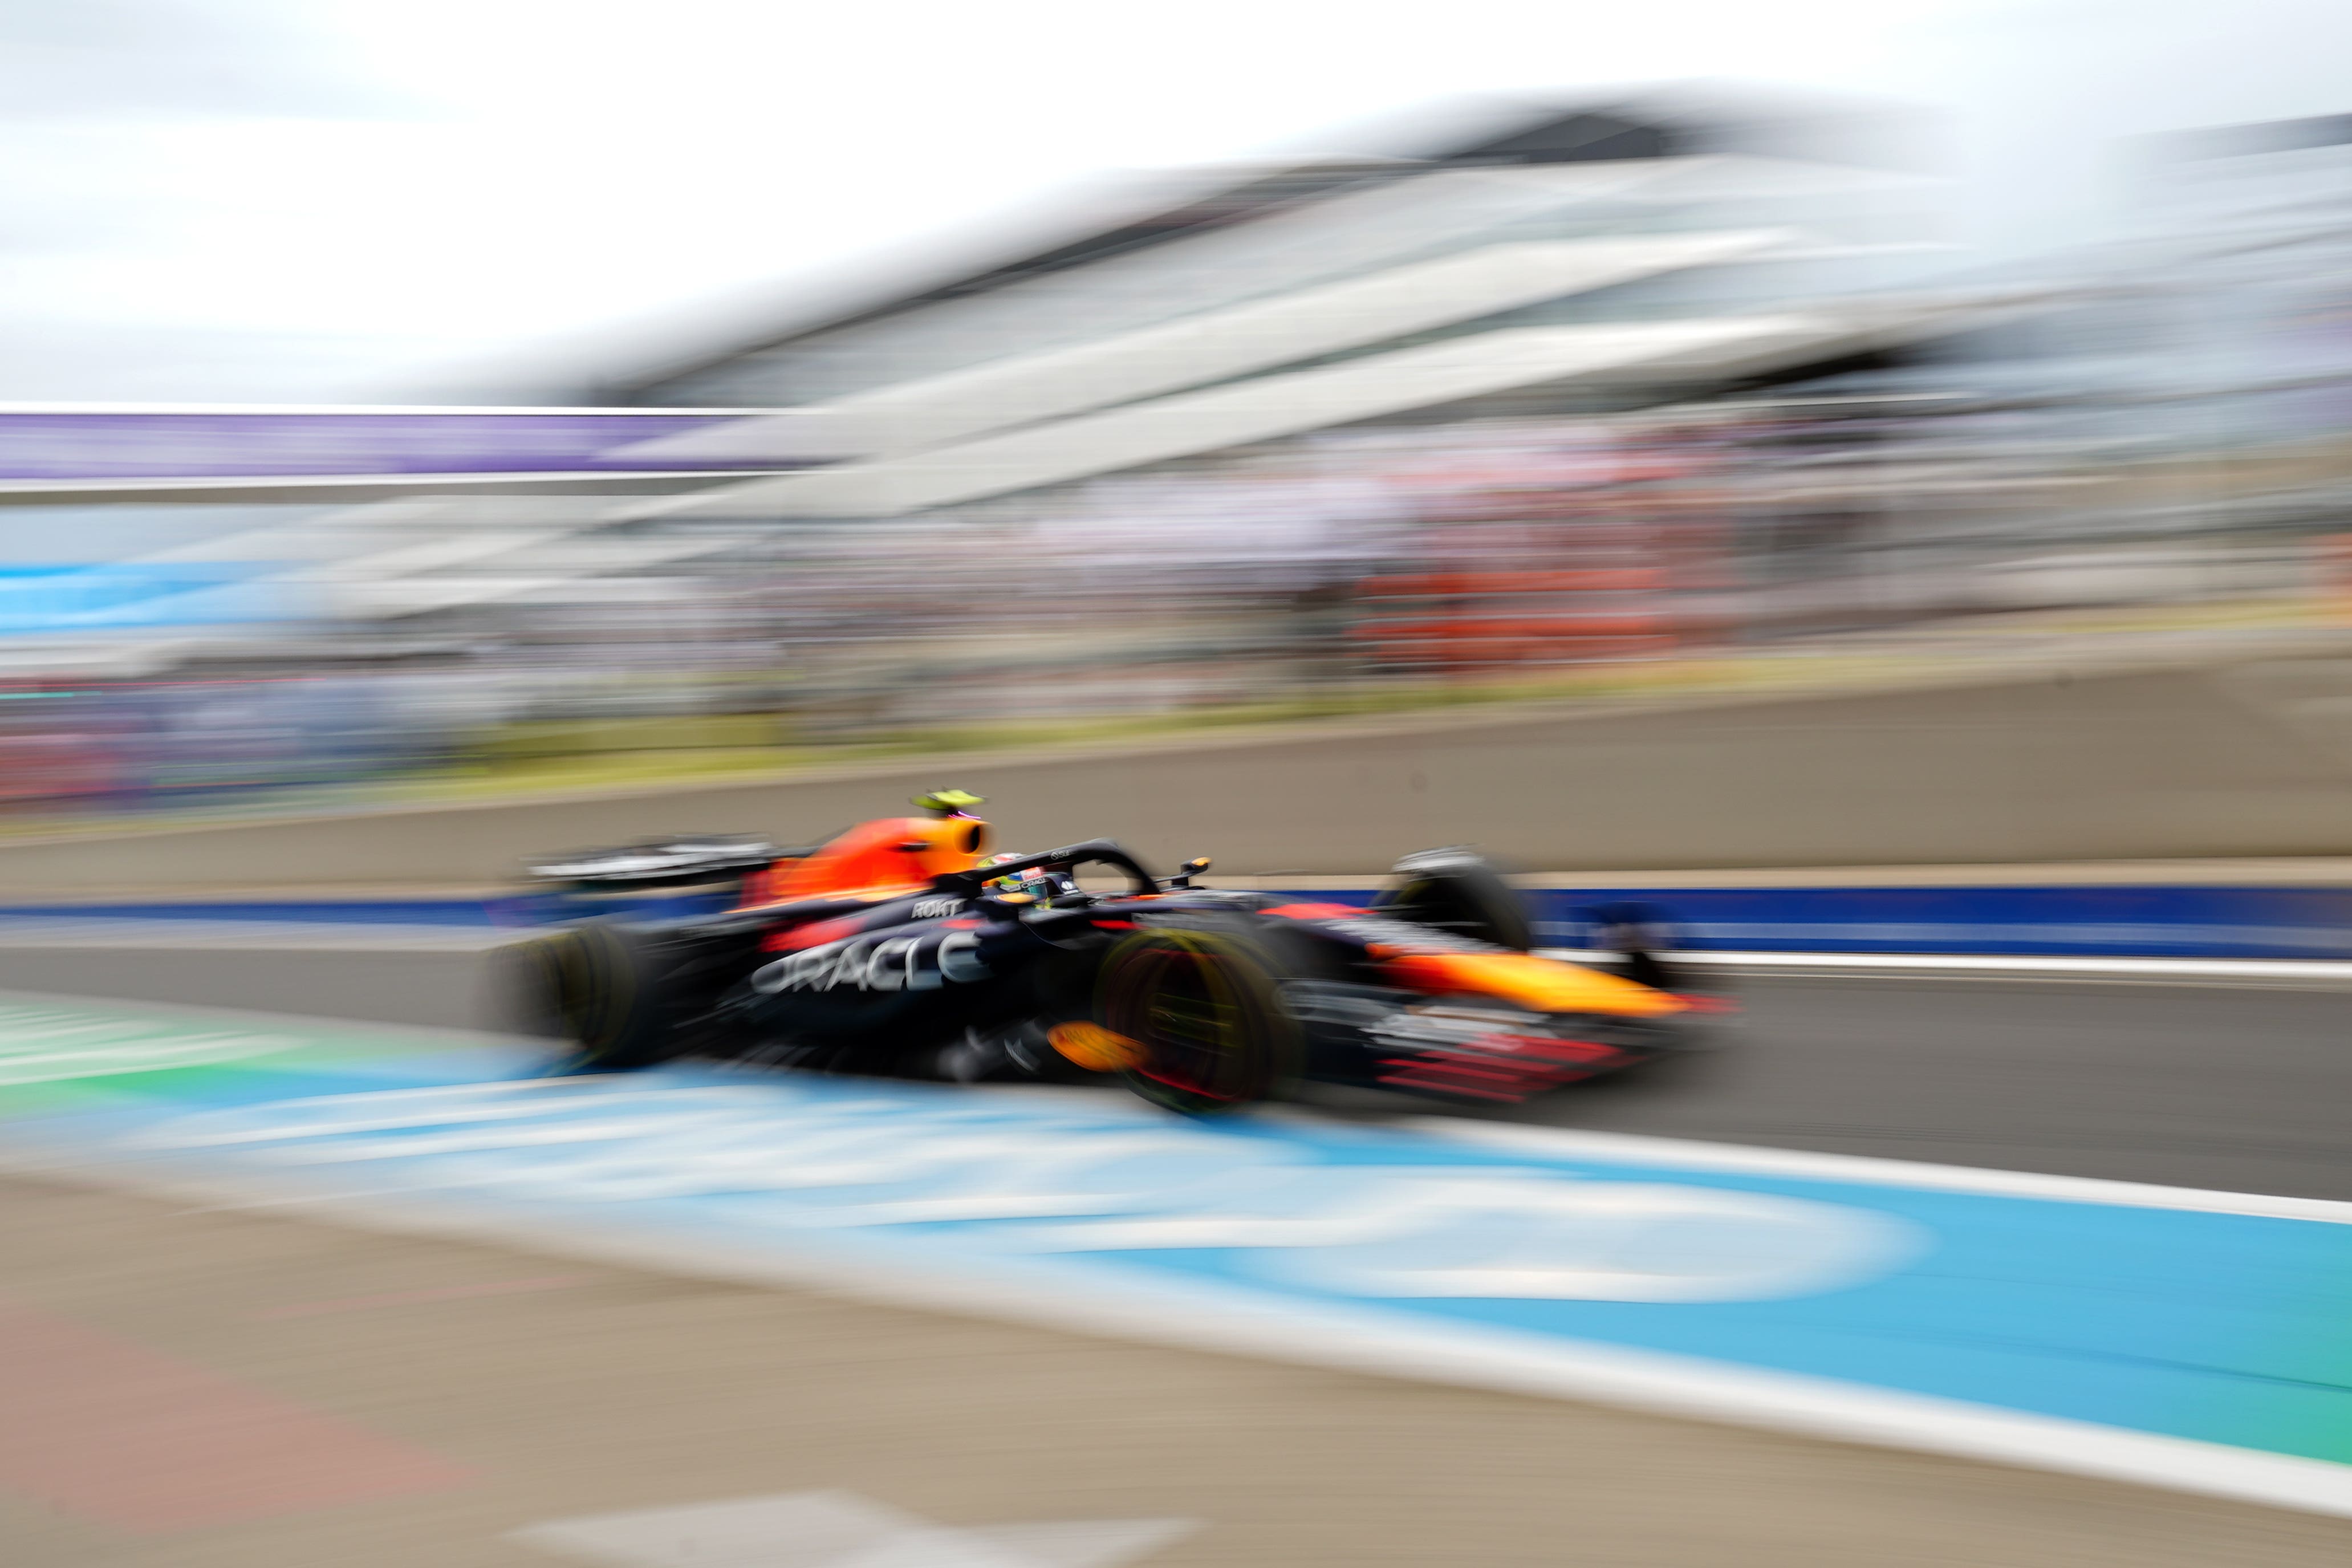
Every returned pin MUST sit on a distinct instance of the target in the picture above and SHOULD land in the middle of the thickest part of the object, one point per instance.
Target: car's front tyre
(1200, 1019)
(1454, 892)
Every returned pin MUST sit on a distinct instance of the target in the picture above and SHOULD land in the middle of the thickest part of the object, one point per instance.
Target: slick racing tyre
(1199, 1020)
(1456, 893)
(601, 986)
(526, 982)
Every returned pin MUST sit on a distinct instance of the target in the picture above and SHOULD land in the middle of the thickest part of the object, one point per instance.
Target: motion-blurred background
(475, 400)
(1858, 496)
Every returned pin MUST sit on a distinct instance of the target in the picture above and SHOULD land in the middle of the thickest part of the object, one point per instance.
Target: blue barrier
(2088, 921)
(519, 910)
(2104, 920)
(2108, 920)
(327, 912)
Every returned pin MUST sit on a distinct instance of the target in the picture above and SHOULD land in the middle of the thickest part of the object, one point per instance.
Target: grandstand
(1602, 255)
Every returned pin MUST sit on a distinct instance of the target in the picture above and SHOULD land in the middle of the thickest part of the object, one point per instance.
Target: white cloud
(409, 180)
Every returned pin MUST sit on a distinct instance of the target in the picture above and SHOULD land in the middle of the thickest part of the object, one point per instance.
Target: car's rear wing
(682, 862)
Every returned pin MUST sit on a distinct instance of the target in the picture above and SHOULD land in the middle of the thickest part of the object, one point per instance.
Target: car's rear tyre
(1456, 893)
(526, 977)
(1202, 1019)
(601, 986)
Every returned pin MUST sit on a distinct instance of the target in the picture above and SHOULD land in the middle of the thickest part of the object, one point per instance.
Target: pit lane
(2233, 1087)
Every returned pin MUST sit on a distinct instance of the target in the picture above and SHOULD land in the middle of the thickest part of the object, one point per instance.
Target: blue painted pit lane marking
(2188, 1340)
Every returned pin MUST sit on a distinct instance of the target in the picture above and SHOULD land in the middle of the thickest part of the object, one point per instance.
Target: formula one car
(902, 947)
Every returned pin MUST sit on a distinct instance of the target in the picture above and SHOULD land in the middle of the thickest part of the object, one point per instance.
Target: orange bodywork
(1094, 1047)
(892, 855)
(1542, 985)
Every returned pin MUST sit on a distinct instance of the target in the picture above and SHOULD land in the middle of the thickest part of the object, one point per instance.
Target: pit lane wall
(2135, 764)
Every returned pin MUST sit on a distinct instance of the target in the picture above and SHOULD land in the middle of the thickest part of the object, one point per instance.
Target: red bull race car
(904, 946)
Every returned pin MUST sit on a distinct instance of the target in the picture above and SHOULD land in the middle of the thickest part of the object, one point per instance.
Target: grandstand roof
(1635, 125)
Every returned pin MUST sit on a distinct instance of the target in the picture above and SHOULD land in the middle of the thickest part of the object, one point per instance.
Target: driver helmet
(1037, 881)
(1017, 882)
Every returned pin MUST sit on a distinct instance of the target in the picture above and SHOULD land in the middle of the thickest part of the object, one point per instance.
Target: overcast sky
(308, 200)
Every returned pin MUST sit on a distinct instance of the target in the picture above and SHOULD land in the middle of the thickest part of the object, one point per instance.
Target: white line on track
(2322, 973)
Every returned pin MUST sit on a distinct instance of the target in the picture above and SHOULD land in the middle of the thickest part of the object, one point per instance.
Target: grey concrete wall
(2146, 765)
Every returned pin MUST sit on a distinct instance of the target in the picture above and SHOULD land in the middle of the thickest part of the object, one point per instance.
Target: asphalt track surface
(2238, 1087)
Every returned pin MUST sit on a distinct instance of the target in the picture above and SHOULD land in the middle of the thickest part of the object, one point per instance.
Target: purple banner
(97, 444)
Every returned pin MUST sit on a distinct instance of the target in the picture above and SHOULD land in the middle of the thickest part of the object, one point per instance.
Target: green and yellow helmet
(947, 803)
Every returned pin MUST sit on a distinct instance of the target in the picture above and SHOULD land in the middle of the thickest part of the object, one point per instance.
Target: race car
(904, 947)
